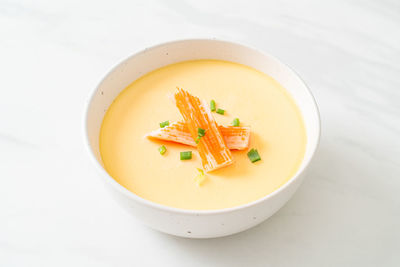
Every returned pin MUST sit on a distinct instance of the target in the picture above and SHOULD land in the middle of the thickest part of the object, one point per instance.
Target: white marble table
(54, 209)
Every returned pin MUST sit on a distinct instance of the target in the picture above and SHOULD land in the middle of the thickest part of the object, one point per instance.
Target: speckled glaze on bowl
(195, 223)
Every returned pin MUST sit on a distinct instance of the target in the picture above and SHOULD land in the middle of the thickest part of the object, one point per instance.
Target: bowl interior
(153, 58)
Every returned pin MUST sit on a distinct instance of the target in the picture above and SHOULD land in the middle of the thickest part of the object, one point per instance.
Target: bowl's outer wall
(192, 224)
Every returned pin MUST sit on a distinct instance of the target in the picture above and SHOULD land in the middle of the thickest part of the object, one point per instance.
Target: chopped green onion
(162, 150)
(200, 178)
(253, 155)
(235, 122)
(221, 111)
(185, 155)
(201, 132)
(212, 105)
(164, 123)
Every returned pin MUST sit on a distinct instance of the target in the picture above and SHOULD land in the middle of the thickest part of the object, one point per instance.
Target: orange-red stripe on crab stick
(212, 149)
(176, 132)
(236, 138)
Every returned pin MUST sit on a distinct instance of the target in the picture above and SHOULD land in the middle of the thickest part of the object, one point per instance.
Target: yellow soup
(243, 92)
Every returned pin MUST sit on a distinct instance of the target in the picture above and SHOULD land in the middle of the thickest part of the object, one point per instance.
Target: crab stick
(236, 138)
(211, 146)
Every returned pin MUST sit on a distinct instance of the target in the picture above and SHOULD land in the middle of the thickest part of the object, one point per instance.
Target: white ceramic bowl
(194, 223)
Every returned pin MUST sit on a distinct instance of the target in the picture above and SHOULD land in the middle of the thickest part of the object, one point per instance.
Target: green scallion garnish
(200, 178)
(185, 155)
(164, 123)
(162, 150)
(221, 111)
(201, 132)
(235, 122)
(253, 155)
(212, 105)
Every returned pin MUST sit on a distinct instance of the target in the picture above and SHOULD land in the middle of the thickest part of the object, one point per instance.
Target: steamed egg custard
(245, 116)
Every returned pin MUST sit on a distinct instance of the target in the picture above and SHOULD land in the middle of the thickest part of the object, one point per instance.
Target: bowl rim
(107, 177)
